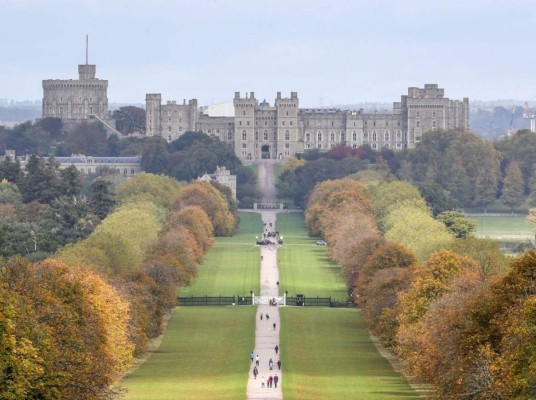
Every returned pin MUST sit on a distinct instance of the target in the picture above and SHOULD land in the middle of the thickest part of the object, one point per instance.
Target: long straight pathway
(267, 327)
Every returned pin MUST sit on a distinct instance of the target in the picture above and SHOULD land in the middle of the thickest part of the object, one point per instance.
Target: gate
(265, 300)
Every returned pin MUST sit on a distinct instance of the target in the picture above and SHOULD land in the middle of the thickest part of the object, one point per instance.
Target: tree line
(457, 312)
(72, 324)
(451, 169)
(186, 158)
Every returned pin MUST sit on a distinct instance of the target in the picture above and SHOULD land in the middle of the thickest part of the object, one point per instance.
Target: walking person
(257, 360)
(270, 381)
(252, 356)
(262, 381)
(276, 348)
(261, 316)
(255, 372)
(271, 364)
(276, 379)
(267, 317)
(274, 326)
(279, 365)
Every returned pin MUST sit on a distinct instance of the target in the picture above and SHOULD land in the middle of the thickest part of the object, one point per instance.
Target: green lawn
(327, 354)
(304, 267)
(502, 227)
(232, 266)
(204, 355)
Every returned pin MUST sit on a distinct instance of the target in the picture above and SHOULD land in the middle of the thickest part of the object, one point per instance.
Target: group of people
(270, 382)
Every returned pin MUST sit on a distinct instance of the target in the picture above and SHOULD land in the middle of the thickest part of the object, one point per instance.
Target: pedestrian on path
(279, 365)
(276, 348)
(267, 317)
(274, 326)
(270, 381)
(252, 356)
(276, 379)
(261, 316)
(271, 364)
(255, 372)
(257, 360)
(262, 381)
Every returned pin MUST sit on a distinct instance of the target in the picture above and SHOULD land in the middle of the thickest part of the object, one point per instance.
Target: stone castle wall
(260, 130)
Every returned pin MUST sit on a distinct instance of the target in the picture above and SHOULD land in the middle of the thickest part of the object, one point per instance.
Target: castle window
(169, 128)
(332, 136)
(265, 123)
(169, 138)
(434, 114)
(244, 135)
(399, 145)
(287, 145)
(374, 146)
(386, 136)
(247, 123)
(398, 135)
(374, 123)
(287, 135)
(398, 124)
(125, 171)
(290, 123)
(243, 112)
(434, 124)
(150, 112)
(61, 110)
(287, 113)
(319, 146)
(132, 171)
(307, 146)
(354, 136)
(343, 137)
(265, 135)
(307, 137)
(229, 135)
(418, 114)
(386, 145)
(365, 135)
(374, 136)
(354, 146)
(275, 136)
(319, 136)
(256, 135)
(332, 145)
(240, 123)
(418, 124)
(283, 123)
(82, 170)
(354, 123)
(244, 145)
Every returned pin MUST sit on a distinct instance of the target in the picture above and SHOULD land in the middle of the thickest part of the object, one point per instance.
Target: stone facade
(76, 99)
(259, 130)
(223, 176)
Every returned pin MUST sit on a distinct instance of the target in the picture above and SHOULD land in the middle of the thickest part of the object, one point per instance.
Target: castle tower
(287, 125)
(244, 144)
(153, 103)
(76, 99)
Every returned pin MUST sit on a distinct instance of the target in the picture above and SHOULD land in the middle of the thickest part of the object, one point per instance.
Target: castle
(76, 100)
(259, 130)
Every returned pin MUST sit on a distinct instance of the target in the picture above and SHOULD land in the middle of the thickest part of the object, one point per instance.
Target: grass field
(304, 267)
(232, 266)
(327, 354)
(204, 355)
(502, 226)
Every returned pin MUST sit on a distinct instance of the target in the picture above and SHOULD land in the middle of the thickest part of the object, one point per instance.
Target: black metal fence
(246, 301)
(214, 301)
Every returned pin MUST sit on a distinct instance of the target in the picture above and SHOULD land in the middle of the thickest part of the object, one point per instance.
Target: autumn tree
(205, 196)
(159, 189)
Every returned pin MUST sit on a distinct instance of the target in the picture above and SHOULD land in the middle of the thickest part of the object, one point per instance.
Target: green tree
(101, 202)
(129, 119)
(514, 187)
(458, 223)
(532, 187)
(437, 198)
(155, 156)
(71, 182)
(9, 193)
(41, 182)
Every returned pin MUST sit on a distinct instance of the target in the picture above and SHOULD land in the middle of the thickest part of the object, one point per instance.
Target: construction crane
(527, 115)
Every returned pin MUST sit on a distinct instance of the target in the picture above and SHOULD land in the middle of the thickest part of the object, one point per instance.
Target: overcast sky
(330, 51)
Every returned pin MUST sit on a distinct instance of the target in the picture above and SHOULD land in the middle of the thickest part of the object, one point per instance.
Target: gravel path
(266, 337)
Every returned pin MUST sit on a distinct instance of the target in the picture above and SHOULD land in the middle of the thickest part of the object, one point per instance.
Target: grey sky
(330, 52)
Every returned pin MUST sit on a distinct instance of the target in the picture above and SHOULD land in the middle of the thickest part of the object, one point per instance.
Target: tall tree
(514, 187)
(102, 200)
(129, 119)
